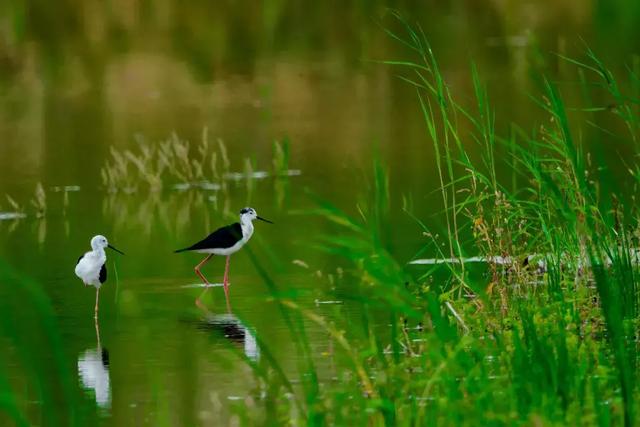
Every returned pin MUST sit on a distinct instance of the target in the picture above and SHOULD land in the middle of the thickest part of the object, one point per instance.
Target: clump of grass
(39, 201)
(176, 160)
(180, 163)
(15, 211)
(38, 204)
(507, 346)
(281, 170)
(13, 204)
(281, 157)
(559, 210)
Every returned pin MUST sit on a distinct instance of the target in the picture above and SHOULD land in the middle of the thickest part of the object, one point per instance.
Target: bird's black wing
(103, 273)
(81, 256)
(222, 238)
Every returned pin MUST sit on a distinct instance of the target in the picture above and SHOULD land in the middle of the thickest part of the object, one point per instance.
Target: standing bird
(225, 241)
(92, 268)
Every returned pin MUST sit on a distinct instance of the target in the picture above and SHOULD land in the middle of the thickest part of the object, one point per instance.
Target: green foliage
(33, 355)
(546, 338)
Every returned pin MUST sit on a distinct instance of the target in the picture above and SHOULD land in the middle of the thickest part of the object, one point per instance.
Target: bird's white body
(89, 266)
(247, 232)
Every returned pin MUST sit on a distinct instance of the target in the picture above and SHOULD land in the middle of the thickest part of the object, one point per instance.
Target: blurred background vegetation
(77, 77)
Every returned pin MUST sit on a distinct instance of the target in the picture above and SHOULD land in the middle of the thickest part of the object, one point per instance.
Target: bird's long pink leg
(206, 282)
(98, 333)
(97, 295)
(225, 282)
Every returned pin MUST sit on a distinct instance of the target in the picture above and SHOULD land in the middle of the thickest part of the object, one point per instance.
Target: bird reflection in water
(233, 329)
(93, 368)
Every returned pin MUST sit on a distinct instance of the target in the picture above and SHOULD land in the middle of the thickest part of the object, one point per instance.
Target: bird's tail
(181, 250)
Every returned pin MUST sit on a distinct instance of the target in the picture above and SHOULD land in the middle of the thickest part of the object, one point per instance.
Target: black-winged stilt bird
(225, 241)
(92, 266)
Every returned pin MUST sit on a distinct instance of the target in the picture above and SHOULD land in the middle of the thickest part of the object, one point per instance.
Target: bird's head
(101, 242)
(249, 214)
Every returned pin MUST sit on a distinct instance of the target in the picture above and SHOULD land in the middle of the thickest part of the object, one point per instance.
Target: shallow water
(249, 76)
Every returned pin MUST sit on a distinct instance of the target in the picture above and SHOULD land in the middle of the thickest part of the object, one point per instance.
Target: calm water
(81, 77)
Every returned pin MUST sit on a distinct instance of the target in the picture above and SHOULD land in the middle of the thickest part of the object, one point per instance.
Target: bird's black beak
(117, 250)
(265, 220)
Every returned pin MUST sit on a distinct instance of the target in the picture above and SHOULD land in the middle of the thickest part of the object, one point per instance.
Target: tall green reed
(452, 351)
(38, 358)
(558, 210)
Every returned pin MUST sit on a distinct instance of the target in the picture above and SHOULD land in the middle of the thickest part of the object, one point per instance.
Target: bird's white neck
(99, 253)
(247, 228)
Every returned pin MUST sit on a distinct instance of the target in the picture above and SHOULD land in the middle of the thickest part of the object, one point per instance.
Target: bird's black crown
(245, 210)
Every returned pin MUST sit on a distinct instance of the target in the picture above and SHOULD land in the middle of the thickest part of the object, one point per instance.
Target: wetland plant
(178, 163)
(151, 165)
(503, 344)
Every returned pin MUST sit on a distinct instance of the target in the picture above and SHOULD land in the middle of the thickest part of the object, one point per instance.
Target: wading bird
(225, 241)
(92, 266)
